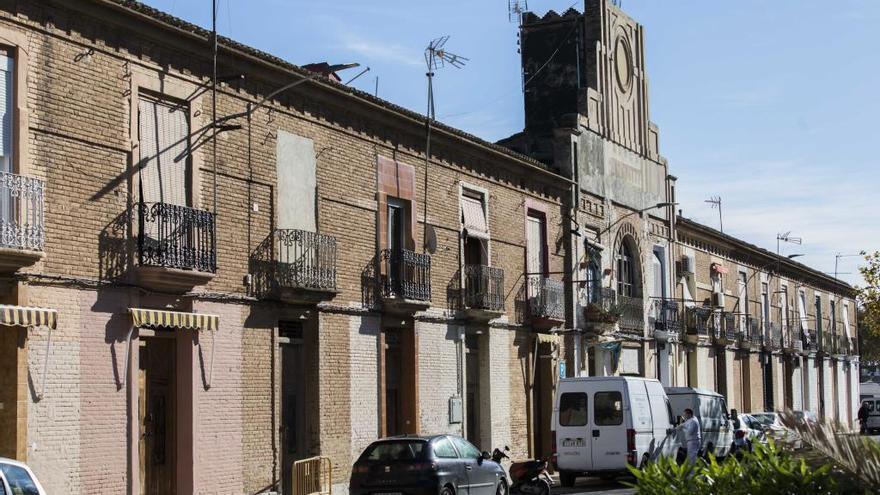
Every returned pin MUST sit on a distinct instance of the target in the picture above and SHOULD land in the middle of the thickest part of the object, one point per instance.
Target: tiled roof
(175, 22)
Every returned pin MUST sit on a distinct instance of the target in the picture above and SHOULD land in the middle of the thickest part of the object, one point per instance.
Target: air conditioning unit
(687, 265)
(718, 299)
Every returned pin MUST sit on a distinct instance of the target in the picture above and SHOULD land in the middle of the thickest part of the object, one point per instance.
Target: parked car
(776, 431)
(604, 424)
(806, 417)
(18, 479)
(753, 430)
(873, 423)
(441, 464)
(711, 409)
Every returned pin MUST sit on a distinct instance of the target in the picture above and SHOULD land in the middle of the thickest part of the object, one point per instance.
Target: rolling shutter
(6, 108)
(474, 217)
(163, 132)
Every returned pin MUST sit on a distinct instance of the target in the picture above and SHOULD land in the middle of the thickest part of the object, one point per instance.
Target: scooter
(526, 477)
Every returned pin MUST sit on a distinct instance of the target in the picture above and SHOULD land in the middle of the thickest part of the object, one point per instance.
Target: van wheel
(567, 479)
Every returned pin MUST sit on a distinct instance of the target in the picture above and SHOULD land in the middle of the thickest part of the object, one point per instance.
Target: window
(802, 309)
(396, 225)
(443, 448)
(395, 451)
(765, 304)
(783, 305)
(607, 408)
(659, 272)
(163, 135)
(833, 314)
(7, 73)
(846, 329)
(626, 280)
(19, 480)
(742, 287)
(466, 449)
(536, 236)
(475, 228)
(594, 275)
(818, 313)
(573, 409)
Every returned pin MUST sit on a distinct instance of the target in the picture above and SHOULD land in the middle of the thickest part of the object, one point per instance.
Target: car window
(573, 409)
(443, 448)
(669, 412)
(608, 408)
(395, 451)
(878, 406)
(869, 405)
(19, 480)
(466, 449)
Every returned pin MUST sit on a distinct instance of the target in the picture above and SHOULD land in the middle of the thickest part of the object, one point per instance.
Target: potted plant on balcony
(595, 313)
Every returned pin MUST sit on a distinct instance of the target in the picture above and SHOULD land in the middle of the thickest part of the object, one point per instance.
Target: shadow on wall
(370, 285)
(115, 248)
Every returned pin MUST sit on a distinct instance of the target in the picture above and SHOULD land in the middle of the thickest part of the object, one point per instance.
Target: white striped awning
(23, 316)
(153, 318)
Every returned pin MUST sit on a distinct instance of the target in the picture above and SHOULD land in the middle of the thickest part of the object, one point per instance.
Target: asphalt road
(594, 486)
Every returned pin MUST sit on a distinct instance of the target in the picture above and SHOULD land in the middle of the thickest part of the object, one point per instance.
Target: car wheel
(501, 489)
(447, 490)
(567, 479)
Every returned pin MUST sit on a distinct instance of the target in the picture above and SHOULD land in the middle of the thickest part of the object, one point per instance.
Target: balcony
(483, 294)
(295, 266)
(176, 246)
(697, 321)
(667, 319)
(756, 338)
(843, 345)
(404, 280)
(772, 337)
(546, 299)
(793, 337)
(632, 315)
(724, 328)
(21, 221)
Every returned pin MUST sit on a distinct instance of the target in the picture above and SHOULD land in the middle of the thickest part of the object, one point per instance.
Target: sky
(770, 105)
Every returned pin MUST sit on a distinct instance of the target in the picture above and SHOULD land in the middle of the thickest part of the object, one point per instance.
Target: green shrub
(765, 471)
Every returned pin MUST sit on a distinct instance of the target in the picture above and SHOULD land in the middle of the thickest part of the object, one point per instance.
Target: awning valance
(152, 318)
(719, 268)
(23, 316)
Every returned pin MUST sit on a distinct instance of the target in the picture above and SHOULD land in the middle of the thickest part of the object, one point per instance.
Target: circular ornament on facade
(623, 64)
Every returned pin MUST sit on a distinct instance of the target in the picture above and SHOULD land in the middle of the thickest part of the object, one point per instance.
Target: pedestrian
(693, 436)
(734, 416)
(863, 418)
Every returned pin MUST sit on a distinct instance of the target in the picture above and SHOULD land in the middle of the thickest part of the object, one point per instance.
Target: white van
(711, 409)
(605, 423)
(873, 423)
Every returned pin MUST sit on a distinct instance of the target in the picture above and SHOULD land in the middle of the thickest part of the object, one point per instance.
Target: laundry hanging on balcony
(155, 318)
(23, 316)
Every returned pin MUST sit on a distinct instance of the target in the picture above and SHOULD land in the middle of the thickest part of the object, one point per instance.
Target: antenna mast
(515, 9)
(715, 201)
(436, 57)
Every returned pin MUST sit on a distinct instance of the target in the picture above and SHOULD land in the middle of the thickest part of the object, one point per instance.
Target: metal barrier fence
(312, 476)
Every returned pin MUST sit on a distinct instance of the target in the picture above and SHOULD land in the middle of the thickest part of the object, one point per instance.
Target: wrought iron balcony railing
(546, 298)
(405, 274)
(484, 287)
(602, 307)
(295, 259)
(843, 345)
(666, 315)
(756, 338)
(21, 212)
(726, 326)
(697, 320)
(774, 337)
(175, 236)
(632, 314)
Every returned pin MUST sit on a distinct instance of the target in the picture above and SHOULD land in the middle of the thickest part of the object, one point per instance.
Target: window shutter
(474, 217)
(164, 140)
(6, 108)
(535, 245)
(802, 310)
(846, 320)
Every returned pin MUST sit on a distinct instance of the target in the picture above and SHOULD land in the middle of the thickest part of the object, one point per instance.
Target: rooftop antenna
(436, 57)
(715, 202)
(515, 9)
(837, 260)
(787, 237)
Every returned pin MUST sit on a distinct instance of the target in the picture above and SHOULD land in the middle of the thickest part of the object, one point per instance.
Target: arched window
(626, 271)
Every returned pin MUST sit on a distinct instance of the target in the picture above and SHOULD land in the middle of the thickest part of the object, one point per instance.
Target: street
(595, 485)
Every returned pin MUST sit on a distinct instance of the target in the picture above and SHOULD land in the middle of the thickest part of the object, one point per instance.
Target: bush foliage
(765, 471)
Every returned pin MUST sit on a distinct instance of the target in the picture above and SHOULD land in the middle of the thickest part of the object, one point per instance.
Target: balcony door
(536, 253)
(7, 70)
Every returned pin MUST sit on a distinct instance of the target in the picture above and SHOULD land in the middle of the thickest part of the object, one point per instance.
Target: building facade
(201, 286)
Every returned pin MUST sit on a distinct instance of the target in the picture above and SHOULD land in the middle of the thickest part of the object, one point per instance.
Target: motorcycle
(526, 477)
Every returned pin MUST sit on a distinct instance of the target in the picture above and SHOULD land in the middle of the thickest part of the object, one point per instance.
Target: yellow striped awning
(152, 318)
(23, 316)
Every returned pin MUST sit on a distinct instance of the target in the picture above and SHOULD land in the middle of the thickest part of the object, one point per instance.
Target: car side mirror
(485, 456)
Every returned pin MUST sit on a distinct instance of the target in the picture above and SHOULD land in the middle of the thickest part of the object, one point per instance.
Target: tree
(868, 298)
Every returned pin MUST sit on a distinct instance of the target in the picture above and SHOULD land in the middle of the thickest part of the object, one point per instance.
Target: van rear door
(572, 429)
(608, 442)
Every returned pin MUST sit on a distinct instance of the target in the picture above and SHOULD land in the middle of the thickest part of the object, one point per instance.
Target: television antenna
(715, 202)
(436, 57)
(515, 9)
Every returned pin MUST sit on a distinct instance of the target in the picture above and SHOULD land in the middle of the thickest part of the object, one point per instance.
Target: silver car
(16, 478)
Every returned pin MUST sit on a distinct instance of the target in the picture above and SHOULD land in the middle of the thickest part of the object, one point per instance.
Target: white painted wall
(797, 390)
(439, 376)
(364, 386)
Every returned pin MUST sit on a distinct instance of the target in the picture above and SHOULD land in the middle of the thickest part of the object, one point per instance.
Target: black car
(436, 465)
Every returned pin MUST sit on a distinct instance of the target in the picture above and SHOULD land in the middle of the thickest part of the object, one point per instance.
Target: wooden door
(156, 380)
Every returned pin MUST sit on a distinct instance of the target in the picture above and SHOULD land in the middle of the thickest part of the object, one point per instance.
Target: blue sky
(770, 105)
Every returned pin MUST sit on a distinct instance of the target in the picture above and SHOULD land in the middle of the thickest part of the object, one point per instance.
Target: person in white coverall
(693, 435)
